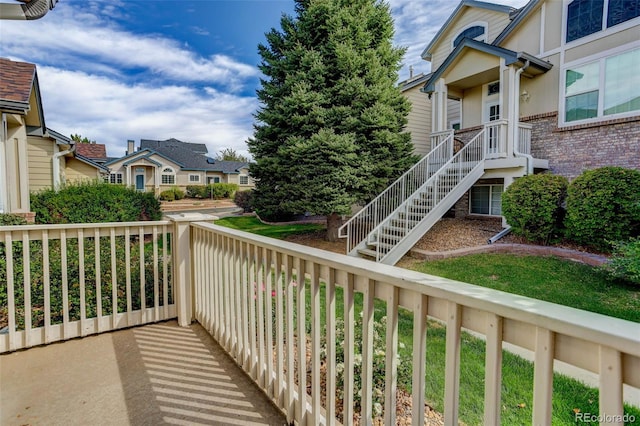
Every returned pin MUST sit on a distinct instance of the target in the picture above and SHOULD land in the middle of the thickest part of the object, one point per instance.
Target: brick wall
(572, 150)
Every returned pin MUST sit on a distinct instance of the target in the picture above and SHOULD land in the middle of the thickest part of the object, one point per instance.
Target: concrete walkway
(151, 375)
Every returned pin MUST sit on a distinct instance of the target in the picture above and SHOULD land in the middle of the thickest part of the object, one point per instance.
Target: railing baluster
(349, 334)
(330, 295)
(237, 287)
(114, 280)
(279, 380)
(11, 299)
(452, 364)
(419, 358)
(98, 277)
(26, 275)
(315, 341)
(246, 300)
(366, 400)
(65, 283)
(391, 359)
(302, 341)
(156, 290)
(252, 311)
(83, 294)
(127, 267)
(493, 370)
(260, 286)
(143, 295)
(46, 278)
(289, 305)
(165, 273)
(610, 395)
(269, 322)
(543, 376)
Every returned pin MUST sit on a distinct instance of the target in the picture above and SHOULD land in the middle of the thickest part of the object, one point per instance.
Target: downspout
(56, 166)
(28, 11)
(516, 136)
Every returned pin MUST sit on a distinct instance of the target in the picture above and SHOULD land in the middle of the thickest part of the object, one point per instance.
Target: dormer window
(475, 32)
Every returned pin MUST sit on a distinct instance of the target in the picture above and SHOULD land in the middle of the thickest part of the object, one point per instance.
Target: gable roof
(413, 82)
(191, 156)
(510, 57)
(146, 152)
(90, 162)
(18, 82)
(457, 12)
(95, 151)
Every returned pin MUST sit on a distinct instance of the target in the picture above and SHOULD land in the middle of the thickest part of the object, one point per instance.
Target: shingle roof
(94, 151)
(16, 80)
(192, 156)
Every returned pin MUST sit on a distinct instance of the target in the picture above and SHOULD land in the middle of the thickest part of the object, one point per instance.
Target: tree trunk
(334, 221)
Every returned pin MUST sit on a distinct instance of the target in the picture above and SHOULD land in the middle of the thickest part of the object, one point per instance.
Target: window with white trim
(244, 180)
(585, 17)
(486, 200)
(168, 176)
(194, 178)
(115, 178)
(213, 179)
(606, 87)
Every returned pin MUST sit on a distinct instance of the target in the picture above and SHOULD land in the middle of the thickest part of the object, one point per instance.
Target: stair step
(366, 252)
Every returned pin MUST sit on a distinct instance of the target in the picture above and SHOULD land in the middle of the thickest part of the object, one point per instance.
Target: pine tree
(329, 130)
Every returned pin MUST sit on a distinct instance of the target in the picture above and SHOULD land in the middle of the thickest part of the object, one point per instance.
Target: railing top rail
(13, 228)
(619, 334)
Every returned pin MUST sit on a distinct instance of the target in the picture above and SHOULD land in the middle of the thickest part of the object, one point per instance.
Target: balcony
(244, 292)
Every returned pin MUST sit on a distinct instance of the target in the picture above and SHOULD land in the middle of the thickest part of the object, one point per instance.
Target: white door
(493, 132)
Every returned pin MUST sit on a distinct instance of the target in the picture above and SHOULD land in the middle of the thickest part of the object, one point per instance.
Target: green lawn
(252, 224)
(545, 278)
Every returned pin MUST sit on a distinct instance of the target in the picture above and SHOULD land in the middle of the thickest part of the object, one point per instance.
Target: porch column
(510, 112)
(182, 264)
(439, 107)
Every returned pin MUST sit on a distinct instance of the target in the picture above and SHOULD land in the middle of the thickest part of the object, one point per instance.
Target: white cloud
(112, 112)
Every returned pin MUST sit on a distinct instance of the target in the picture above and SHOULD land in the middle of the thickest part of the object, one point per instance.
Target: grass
(253, 225)
(545, 278)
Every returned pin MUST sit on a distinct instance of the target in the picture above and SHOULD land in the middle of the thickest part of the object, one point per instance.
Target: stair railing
(356, 229)
(433, 191)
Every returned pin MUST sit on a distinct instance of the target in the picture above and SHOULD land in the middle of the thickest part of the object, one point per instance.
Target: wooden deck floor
(151, 375)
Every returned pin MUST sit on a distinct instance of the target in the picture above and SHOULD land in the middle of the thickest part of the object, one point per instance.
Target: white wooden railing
(247, 293)
(524, 138)
(64, 281)
(358, 227)
(495, 134)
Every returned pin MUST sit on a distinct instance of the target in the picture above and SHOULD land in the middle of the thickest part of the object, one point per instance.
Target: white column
(182, 264)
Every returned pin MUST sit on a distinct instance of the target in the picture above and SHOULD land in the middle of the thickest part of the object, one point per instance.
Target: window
(493, 88)
(244, 180)
(608, 86)
(476, 33)
(214, 179)
(115, 178)
(621, 11)
(194, 178)
(168, 176)
(486, 199)
(586, 17)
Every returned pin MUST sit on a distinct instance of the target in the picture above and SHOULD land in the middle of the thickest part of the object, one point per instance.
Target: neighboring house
(32, 157)
(96, 152)
(160, 165)
(551, 86)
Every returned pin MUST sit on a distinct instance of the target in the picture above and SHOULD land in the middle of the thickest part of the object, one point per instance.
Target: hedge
(216, 191)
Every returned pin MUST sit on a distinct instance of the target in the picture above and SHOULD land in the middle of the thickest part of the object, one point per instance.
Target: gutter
(56, 166)
(516, 114)
(28, 11)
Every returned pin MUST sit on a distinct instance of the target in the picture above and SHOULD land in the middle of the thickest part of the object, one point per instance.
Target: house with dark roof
(552, 86)
(160, 165)
(96, 152)
(32, 156)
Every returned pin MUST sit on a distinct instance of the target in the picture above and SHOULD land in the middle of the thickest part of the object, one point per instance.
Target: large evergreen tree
(328, 133)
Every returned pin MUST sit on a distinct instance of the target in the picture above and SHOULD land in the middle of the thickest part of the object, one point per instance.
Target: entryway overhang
(473, 63)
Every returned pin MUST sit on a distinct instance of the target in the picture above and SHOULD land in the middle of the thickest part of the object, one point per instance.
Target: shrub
(7, 219)
(214, 191)
(532, 206)
(167, 195)
(603, 206)
(625, 263)
(196, 191)
(93, 202)
(178, 193)
(244, 199)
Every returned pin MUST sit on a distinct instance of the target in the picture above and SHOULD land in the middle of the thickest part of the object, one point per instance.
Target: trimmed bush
(93, 202)
(625, 263)
(7, 219)
(167, 195)
(532, 206)
(603, 206)
(244, 199)
(215, 191)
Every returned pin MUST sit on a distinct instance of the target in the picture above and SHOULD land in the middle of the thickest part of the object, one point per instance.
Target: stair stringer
(430, 219)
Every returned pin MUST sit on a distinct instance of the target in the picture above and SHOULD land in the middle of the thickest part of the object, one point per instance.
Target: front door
(493, 136)
(139, 182)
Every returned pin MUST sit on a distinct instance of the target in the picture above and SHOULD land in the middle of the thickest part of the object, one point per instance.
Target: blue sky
(114, 70)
